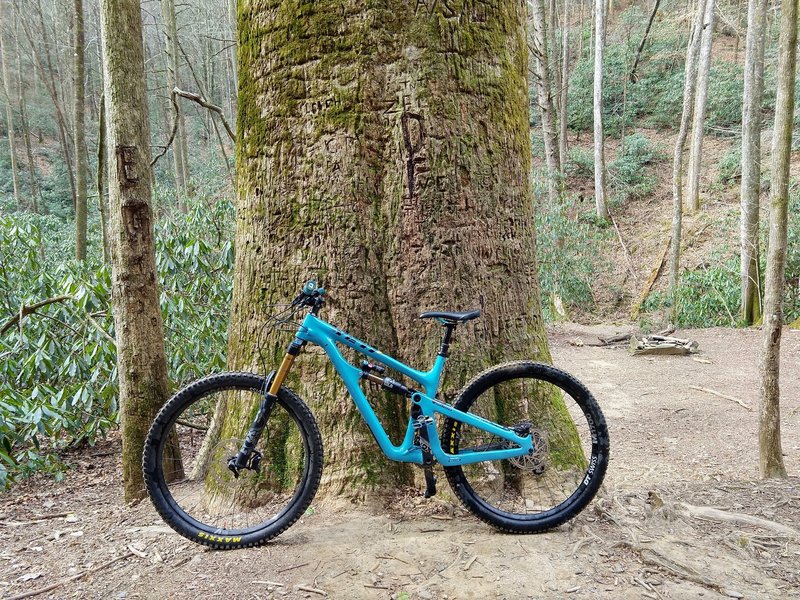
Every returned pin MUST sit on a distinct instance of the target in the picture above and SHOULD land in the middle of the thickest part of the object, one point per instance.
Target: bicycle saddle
(452, 317)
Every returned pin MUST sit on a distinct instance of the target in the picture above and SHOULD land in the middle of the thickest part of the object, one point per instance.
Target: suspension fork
(248, 457)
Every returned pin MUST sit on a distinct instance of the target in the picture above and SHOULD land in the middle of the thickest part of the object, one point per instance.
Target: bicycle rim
(562, 473)
(196, 482)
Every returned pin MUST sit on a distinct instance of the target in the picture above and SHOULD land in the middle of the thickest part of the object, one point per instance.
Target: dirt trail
(671, 446)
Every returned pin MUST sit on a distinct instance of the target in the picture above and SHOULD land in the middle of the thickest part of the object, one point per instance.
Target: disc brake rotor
(536, 461)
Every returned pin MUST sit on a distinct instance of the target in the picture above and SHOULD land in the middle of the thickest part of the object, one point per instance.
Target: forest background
(604, 215)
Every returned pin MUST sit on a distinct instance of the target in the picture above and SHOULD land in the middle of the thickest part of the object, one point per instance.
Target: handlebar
(311, 295)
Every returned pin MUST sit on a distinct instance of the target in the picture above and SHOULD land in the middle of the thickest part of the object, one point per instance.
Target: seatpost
(448, 333)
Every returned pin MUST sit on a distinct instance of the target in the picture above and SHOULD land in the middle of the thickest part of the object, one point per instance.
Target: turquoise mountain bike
(234, 459)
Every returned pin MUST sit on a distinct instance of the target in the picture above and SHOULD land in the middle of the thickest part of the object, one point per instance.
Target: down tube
(351, 376)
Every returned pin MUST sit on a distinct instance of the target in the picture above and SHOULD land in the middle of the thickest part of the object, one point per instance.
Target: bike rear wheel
(187, 451)
(561, 475)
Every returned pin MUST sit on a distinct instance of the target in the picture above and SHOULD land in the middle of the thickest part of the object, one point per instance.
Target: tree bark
(102, 178)
(751, 161)
(23, 120)
(81, 168)
(553, 62)
(700, 103)
(395, 165)
(769, 416)
(601, 202)
(563, 92)
(12, 136)
(545, 99)
(690, 80)
(48, 78)
(179, 146)
(653, 14)
(141, 361)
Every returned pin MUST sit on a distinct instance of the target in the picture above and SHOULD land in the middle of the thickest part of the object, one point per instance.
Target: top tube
(315, 330)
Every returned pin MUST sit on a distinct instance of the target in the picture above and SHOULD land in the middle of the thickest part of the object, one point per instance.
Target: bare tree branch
(26, 310)
(205, 104)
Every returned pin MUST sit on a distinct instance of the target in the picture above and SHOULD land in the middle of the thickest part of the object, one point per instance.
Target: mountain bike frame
(424, 404)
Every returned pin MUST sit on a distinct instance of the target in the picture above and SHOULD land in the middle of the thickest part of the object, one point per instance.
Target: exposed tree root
(714, 514)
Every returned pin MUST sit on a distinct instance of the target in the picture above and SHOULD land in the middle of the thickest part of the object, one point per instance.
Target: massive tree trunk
(769, 416)
(544, 86)
(751, 160)
(12, 139)
(600, 200)
(385, 149)
(79, 72)
(700, 103)
(690, 80)
(141, 361)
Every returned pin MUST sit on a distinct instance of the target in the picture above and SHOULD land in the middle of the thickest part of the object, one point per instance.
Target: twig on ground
(390, 557)
(265, 582)
(66, 580)
(292, 567)
(721, 395)
(34, 521)
(306, 588)
(457, 558)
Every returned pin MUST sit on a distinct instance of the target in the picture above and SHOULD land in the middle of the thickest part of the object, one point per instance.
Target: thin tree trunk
(141, 361)
(632, 76)
(751, 161)
(700, 104)
(81, 169)
(231, 62)
(553, 65)
(12, 136)
(45, 65)
(601, 202)
(210, 115)
(102, 176)
(407, 189)
(179, 147)
(23, 119)
(769, 416)
(545, 98)
(690, 81)
(563, 92)
(49, 78)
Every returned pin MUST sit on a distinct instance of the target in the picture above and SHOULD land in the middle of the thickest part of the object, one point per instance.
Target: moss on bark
(384, 147)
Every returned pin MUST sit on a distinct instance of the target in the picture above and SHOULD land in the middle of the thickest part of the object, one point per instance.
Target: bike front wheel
(186, 456)
(559, 477)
